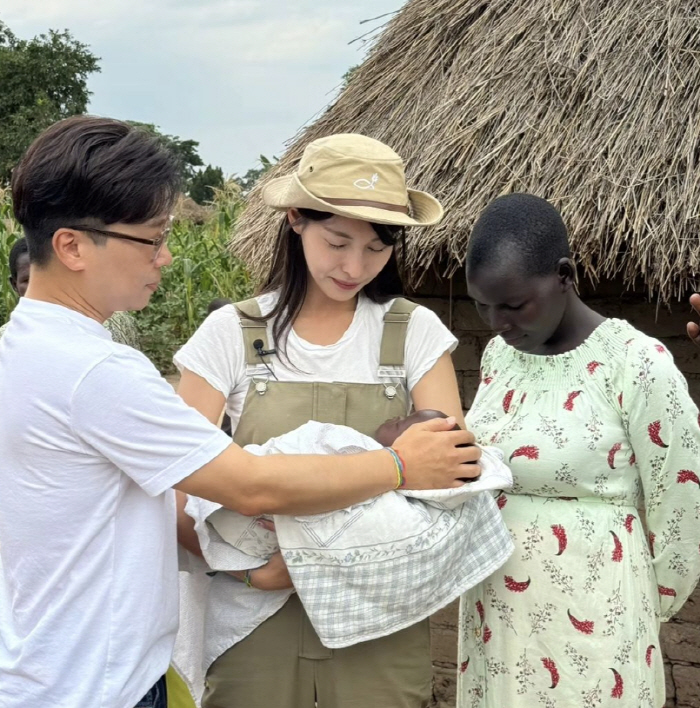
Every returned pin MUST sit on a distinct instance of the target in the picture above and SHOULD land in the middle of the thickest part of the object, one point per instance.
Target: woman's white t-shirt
(216, 352)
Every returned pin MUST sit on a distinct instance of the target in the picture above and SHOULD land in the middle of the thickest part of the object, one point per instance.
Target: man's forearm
(433, 455)
(312, 484)
(291, 484)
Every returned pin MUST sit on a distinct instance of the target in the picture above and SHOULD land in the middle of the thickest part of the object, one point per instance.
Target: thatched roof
(593, 104)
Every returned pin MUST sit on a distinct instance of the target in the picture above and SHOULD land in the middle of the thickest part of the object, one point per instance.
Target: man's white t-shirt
(91, 440)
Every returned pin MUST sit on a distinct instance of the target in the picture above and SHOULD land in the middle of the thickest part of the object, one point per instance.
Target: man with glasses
(94, 438)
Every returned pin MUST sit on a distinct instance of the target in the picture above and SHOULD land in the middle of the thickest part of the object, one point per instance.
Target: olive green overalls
(282, 663)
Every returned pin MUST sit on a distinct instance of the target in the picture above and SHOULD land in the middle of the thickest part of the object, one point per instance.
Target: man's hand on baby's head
(432, 456)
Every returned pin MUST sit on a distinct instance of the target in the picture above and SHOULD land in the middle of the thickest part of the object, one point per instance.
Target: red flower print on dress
(514, 586)
(652, 538)
(619, 400)
(688, 476)
(592, 366)
(633, 460)
(611, 455)
(464, 665)
(617, 551)
(655, 433)
(487, 634)
(660, 349)
(666, 592)
(629, 520)
(650, 651)
(553, 671)
(619, 687)
(480, 610)
(501, 500)
(507, 400)
(560, 534)
(528, 451)
(569, 404)
(583, 626)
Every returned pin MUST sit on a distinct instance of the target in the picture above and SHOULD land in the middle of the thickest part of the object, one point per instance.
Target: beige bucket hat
(354, 176)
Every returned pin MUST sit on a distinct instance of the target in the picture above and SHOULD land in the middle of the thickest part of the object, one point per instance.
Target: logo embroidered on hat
(363, 183)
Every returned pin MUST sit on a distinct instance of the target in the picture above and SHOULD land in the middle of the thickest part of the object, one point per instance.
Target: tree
(185, 150)
(204, 182)
(348, 76)
(43, 80)
(247, 182)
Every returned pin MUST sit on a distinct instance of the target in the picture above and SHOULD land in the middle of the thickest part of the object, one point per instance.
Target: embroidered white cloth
(377, 567)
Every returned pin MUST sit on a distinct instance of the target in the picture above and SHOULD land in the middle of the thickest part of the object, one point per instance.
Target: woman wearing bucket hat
(329, 340)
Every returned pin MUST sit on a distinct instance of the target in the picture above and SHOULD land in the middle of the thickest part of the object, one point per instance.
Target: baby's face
(390, 430)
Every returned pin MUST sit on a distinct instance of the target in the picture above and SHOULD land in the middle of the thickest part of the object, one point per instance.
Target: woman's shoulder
(415, 309)
(422, 321)
(624, 340)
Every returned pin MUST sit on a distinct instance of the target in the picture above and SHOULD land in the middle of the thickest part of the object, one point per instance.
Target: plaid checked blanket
(376, 567)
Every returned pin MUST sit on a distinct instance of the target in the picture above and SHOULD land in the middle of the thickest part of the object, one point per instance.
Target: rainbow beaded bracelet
(400, 468)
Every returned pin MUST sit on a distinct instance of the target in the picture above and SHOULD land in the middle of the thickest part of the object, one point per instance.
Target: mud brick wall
(681, 636)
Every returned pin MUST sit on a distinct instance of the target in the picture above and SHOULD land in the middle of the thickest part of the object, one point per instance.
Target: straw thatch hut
(593, 105)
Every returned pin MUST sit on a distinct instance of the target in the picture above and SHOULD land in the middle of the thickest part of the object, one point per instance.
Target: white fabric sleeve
(216, 351)
(218, 554)
(124, 411)
(427, 339)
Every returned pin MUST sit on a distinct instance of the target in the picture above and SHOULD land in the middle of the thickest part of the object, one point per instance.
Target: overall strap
(394, 335)
(251, 329)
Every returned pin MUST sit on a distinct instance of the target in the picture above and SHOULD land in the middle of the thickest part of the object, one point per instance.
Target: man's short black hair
(19, 248)
(522, 227)
(90, 170)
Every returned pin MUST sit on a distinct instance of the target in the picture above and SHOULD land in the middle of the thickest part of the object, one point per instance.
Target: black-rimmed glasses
(157, 243)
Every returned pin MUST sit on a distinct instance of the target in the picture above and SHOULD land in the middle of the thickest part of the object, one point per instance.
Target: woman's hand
(274, 575)
(693, 328)
(432, 458)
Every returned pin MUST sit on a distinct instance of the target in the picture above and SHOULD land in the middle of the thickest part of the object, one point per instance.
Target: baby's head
(388, 431)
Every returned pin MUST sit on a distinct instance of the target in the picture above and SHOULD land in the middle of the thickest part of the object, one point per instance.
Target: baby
(434, 544)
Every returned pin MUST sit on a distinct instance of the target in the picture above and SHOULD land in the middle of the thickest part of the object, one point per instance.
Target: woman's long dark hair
(289, 274)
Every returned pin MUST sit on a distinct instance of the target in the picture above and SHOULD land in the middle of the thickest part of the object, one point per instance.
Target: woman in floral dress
(597, 423)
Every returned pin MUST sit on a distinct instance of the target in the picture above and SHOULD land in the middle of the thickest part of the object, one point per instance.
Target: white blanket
(376, 567)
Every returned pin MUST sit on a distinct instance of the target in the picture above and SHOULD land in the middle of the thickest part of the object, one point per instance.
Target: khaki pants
(282, 664)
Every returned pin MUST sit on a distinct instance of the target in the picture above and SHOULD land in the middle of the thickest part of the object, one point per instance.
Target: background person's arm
(693, 328)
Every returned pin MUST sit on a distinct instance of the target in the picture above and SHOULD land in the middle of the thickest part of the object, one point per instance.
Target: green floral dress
(592, 435)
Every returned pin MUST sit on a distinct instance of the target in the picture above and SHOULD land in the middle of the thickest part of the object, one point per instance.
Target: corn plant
(9, 232)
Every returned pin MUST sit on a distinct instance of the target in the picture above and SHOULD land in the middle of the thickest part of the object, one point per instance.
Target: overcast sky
(239, 76)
